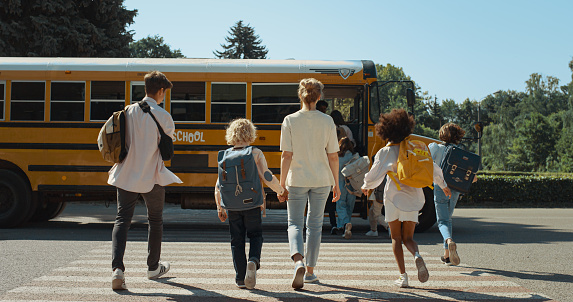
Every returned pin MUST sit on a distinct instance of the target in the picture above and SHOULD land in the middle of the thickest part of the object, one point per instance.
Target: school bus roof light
(68, 72)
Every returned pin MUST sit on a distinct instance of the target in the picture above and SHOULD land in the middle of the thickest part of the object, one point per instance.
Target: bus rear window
(27, 101)
(67, 101)
(228, 102)
(188, 101)
(106, 98)
(272, 102)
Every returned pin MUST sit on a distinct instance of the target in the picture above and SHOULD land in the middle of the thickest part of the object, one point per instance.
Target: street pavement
(507, 255)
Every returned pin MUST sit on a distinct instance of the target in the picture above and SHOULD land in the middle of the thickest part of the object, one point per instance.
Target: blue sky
(452, 49)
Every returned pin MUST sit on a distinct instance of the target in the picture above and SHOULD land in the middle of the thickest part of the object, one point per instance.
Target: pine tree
(242, 44)
(65, 28)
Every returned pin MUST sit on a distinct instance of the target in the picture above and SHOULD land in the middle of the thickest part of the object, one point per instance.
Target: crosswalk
(202, 270)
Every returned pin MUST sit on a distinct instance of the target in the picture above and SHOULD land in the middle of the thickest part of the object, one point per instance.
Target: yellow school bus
(51, 110)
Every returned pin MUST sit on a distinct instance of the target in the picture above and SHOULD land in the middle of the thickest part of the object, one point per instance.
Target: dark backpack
(111, 138)
(239, 181)
(459, 168)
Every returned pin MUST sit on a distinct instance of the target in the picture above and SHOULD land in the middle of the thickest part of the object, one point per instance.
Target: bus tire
(15, 199)
(427, 216)
(49, 211)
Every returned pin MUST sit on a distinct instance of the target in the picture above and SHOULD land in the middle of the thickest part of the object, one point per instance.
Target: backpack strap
(243, 171)
(393, 176)
(224, 170)
(145, 107)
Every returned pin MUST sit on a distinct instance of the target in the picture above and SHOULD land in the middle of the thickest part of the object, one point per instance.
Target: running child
(401, 205)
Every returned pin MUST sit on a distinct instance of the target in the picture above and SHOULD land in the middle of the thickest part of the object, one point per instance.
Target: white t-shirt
(143, 166)
(309, 135)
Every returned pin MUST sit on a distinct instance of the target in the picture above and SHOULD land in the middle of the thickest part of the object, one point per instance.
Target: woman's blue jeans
(344, 207)
(444, 211)
(296, 204)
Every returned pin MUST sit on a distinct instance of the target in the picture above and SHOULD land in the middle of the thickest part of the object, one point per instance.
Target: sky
(452, 49)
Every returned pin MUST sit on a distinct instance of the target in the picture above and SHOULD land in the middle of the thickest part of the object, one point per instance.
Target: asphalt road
(528, 247)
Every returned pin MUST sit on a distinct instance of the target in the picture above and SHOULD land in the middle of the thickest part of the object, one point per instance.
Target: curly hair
(309, 90)
(240, 130)
(395, 126)
(451, 133)
(345, 144)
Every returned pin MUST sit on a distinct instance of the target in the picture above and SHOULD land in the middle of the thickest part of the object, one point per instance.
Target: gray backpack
(354, 172)
(239, 181)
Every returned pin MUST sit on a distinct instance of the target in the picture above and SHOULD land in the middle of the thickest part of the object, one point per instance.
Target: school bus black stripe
(100, 124)
(70, 168)
(91, 147)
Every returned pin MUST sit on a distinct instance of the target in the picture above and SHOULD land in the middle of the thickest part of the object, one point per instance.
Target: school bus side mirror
(410, 97)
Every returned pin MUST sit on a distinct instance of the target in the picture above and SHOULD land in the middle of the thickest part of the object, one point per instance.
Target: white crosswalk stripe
(204, 270)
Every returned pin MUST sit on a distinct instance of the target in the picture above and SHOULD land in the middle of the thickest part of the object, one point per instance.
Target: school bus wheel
(15, 199)
(48, 210)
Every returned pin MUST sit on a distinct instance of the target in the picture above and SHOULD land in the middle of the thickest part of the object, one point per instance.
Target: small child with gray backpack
(240, 197)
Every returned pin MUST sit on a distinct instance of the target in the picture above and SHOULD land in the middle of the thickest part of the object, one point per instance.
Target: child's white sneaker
(251, 276)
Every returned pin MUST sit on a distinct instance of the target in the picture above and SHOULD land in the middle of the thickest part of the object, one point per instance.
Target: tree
(65, 28)
(534, 143)
(243, 44)
(153, 47)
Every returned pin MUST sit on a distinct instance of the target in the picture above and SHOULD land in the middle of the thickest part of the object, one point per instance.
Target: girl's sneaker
(423, 274)
(118, 280)
(402, 281)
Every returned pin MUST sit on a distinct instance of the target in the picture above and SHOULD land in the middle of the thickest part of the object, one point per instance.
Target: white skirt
(392, 213)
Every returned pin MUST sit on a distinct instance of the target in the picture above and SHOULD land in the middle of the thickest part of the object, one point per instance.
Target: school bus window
(272, 102)
(2, 98)
(106, 98)
(137, 91)
(228, 101)
(188, 101)
(27, 101)
(67, 101)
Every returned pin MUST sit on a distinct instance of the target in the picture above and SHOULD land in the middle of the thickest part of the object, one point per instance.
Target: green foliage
(153, 47)
(539, 190)
(242, 44)
(533, 144)
(65, 28)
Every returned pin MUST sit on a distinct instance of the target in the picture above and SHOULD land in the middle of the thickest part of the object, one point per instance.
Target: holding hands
(284, 196)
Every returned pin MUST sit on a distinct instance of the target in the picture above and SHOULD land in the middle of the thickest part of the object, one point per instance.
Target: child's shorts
(392, 213)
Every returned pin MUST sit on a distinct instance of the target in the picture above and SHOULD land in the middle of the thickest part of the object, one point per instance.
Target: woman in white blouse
(309, 169)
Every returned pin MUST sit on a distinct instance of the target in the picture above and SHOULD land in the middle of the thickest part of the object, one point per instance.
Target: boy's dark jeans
(249, 223)
(126, 201)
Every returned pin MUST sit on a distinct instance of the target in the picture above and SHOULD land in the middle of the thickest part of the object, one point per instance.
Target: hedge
(521, 189)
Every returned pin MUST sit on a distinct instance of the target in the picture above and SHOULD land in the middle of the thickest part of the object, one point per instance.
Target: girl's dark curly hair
(395, 126)
(451, 133)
